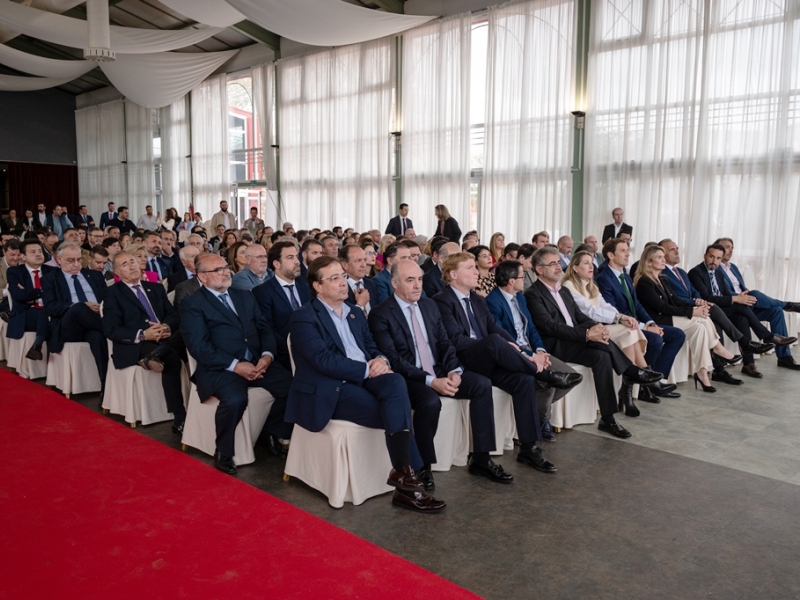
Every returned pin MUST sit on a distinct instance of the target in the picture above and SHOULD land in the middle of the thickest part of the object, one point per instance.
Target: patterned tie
(472, 321)
(292, 298)
(79, 289)
(224, 299)
(714, 285)
(423, 350)
(522, 318)
(628, 294)
(680, 277)
(145, 304)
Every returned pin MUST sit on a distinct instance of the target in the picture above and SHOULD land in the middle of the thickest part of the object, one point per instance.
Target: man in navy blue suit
(432, 282)
(408, 329)
(399, 224)
(233, 344)
(285, 293)
(342, 375)
(663, 343)
(393, 253)
(107, 217)
(507, 305)
(155, 261)
(72, 298)
(362, 291)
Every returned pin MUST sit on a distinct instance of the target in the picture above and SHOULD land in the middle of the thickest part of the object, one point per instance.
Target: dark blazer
(451, 230)
(321, 363)
(369, 285)
(432, 281)
(455, 318)
(736, 273)
(124, 316)
(17, 227)
(176, 278)
(551, 323)
(611, 289)
(683, 287)
(395, 227)
(608, 231)
(32, 224)
(501, 313)
(698, 275)
(383, 286)
(105, 220)
(23, 294)
(215, 336)
(661, 301)
(174, 261)
(57, 299)
(164, 263)
(184, 290)
(393, 337)
(278, 311)
(126, 226)
(85, 220)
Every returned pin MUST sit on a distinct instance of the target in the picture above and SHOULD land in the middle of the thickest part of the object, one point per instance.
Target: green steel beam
(259, 34)
(394, 6)
(581, 72)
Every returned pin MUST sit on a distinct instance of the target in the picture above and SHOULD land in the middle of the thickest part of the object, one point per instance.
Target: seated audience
(564, 246)
(25, 289)
(497, 246)
(362, 291)
(235, 256)
(11, 258)
(188, 254)
(156, 263)
(392, 254)
(483, 261)
(98, 259)
(432, 282)
(255, 270)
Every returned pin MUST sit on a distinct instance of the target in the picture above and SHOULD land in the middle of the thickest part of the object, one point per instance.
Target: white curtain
(264, 101)
(527, 181)
(210, 159)
(101, 151)
(141, 170)
(436, 116)
(335, 122)
(41, 66)
(176, 171)
(693, 128)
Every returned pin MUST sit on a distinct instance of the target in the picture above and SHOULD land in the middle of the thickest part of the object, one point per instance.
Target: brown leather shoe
(752, 371)
(780, 340)
(418, 502)
(152, 363)
(405, 480)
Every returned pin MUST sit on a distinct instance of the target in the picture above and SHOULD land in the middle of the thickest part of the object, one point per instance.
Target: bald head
(407, 280)
(448, 249)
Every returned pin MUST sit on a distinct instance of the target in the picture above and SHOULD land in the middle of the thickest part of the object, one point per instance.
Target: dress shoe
(177, 428)
(418, 502)
(152, 363)
(548, 435)
(405, 480)
(792, 307)
(225, 464)
(723, 376)
(4, 316)
(731, 362)
(780, 340)
(751, 347)
(536, 459)
(643, 377)
(706, 388)
(35, 353)
(646, 395)
(788, 362)
(274, 446)
(625, 398)
(564, 381)
(614, 429)
(491, 471)
(752, 371)
(426, 477)
(664, 390)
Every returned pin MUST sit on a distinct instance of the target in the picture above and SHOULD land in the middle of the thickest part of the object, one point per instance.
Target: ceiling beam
(259, 34)
(395, 6)
(79, 12)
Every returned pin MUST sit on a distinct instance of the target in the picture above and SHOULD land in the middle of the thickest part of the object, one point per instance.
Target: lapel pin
(352, 316)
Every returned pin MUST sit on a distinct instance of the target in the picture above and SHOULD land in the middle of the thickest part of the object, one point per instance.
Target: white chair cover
(505, 424)
(451, 441)
(73, 370)
(3, 340)
(680, 368)
(26, 368)
(580, 405)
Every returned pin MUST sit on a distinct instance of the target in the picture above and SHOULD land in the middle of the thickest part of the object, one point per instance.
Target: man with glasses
(255, 271)
(235, 348)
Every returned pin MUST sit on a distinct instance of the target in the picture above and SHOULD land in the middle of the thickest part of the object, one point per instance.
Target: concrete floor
(701, 503)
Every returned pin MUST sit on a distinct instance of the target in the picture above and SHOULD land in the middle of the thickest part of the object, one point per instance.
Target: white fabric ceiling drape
(436, 140)
(335, 112)
(41, 66)
(527, 180)
(210, 157)
(264, 101)
(216, 13)
(14, 83)
(693, 129)
(176, 170)
(139, 152)
(324, 22)
(73, 32)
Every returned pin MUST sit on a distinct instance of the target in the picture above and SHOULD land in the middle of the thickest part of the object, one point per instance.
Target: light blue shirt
(519, 324)
(351, 348)
(87, 289)
(229, 302)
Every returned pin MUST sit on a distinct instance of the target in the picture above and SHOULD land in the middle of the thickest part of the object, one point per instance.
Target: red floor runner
(91, 509)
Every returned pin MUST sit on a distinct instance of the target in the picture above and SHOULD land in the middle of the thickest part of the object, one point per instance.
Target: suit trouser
(546, 396)
(427, 406)
(36, 320)
(379, 403)
(662, 350)
(777, 325)
(81, 324)
(745, 319)
(170, 377)
(232, 396)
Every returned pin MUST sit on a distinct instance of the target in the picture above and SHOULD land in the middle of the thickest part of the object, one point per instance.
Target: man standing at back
(399, 224)
(223, 217)
(108, 216)
(613, 230)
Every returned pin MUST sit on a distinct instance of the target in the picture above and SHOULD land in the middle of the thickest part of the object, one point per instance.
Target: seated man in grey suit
(255, 271)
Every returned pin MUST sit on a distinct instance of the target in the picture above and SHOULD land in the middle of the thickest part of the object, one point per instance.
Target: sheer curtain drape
(210, 157)
(527, 180)
(139, 152)
(694, 128)
(264, 101)
(176, 171)
(435, 107)
(335, 122)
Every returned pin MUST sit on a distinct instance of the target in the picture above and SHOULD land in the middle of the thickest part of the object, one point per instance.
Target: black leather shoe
(751, 371)
(614, 429)
(225, 464)
(625, 398)
(418, 502)
(646, 395)
(564, 381)
(491, 471)
(751, 347)
(643, 377)
(274, 447)
(723, 376)
(152, 363)
(665, 390)
(426, 477)
(731, 362)
(35, 353)
(177, 429)
(788, 363)
(4, 316)
(792, 307)
(536, 459)
(548, 435)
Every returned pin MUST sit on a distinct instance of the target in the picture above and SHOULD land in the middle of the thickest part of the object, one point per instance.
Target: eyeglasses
(218, 270)
(369, 253)
(332, 278)
(555, 263)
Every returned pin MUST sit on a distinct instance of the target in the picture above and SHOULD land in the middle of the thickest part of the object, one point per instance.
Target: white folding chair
(505, 424)
(580, 405)
(73, 370)
(451, 441)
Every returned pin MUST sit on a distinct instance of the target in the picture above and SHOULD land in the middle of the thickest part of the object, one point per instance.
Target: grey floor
(701, 503)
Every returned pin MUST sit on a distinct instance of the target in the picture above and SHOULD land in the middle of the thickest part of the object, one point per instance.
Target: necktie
(292, 298)
(224, 299)
(680, 277)
(714, 284)
(423, 351)
(145, 304)
(522, 318)
(37, 284)
(628, 294)
(154, 267)
(403, 226)
(79, 289)
(472, 321)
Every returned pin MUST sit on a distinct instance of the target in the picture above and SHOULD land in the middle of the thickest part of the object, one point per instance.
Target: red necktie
(37, 284)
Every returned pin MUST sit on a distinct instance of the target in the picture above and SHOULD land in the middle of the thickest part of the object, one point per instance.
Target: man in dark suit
(393, 253)
(143, 328)
(613, 230)
(663, 343)
(486, 348)
(169, 249)
(72, 298)
(122, 221)
(186, 272)
(432, 282)
(279, 297)
(25, 289)
(235, 349)
(13, 224)
(573, 337)
(83, 218)
(11, 258)
(155, 262)
(107, 217)
(361, 291)
(184, 290)
(710, 282)
(401, 223)
(506, 303)
(408, 330)
(342, 375)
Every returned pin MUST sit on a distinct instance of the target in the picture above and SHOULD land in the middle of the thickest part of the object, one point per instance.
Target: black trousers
(170, 378)
(36, 320)
(744, 319)
(81, 324)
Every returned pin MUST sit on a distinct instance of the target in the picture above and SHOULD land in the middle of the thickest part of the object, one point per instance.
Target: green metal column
(581, 72)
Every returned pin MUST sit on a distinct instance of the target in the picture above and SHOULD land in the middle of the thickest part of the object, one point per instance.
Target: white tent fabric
(73, 32)
(139, 156)
(53, 6)
(211, 173)
(325, 22)
(264, 100)
(216, 13)
(41, 66)
(176, 170)
(14, 83)
(157, 80)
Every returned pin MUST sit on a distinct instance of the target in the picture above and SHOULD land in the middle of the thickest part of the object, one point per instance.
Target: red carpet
(92, 509)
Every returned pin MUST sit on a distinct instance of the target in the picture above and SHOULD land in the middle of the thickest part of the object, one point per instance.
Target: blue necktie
(79, 289)
(248, 356)
(154, 267)
(292, 299)
(472, 321)
(146, 304)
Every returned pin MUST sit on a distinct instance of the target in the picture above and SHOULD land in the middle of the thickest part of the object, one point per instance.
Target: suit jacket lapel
(326, 320)
(217, 304)
(359, 338)
(460, 314)
(282, 293)
(401, 322)
(127, 293)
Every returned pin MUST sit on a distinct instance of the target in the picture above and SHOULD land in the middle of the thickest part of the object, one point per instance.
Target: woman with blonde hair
(665, 308)
(447, 226)
(497, 246)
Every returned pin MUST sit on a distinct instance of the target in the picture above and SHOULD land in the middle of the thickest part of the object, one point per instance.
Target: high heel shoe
(706, 388)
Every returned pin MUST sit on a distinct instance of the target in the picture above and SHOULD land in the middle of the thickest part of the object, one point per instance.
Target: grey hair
(539, 255)
(64, 246)
(181, 252)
